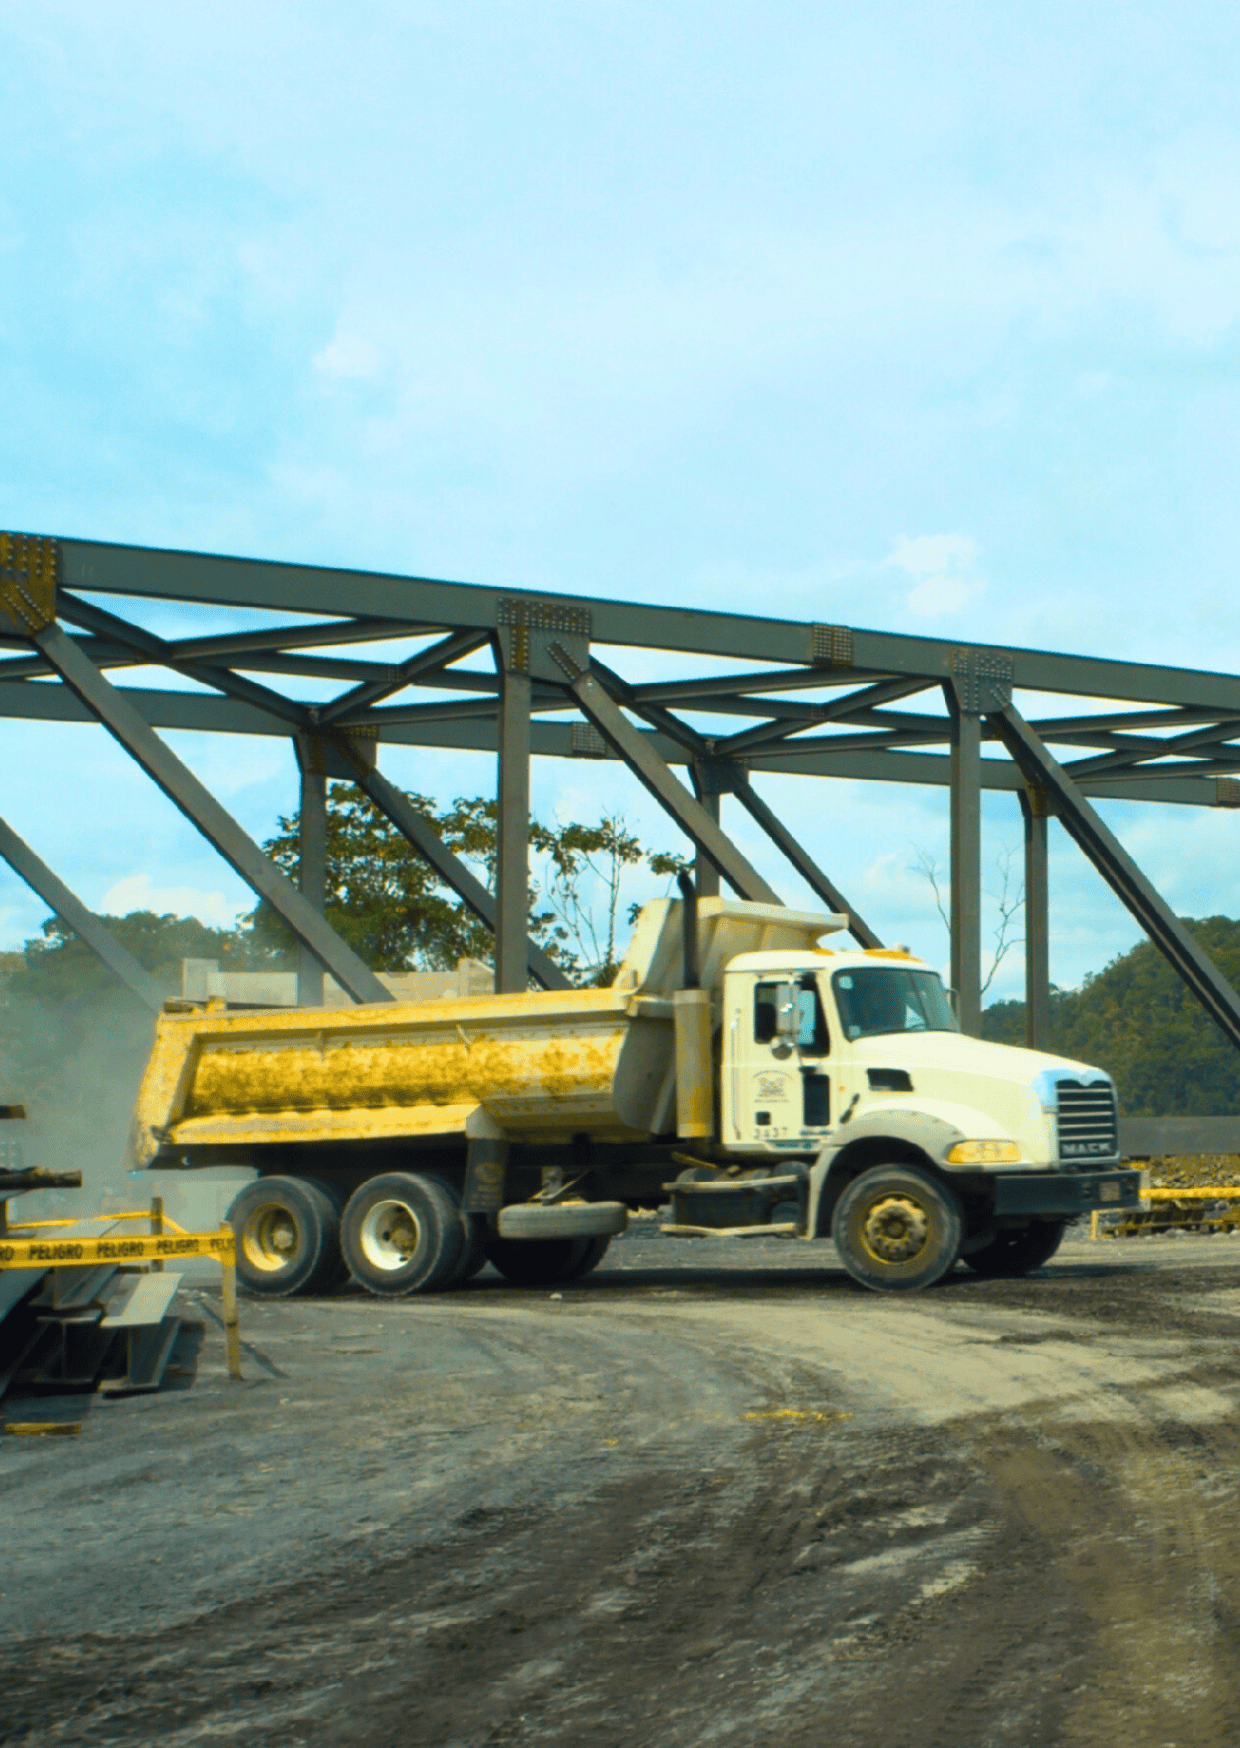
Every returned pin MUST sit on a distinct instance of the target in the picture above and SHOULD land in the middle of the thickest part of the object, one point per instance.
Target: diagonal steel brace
(1121, 873)
(668, 791)
(200, 807)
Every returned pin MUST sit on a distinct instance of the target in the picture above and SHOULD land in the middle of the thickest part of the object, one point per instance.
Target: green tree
(581, 880)
(397, 915)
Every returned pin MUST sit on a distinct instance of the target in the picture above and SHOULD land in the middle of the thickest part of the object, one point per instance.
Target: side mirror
(787, 1010)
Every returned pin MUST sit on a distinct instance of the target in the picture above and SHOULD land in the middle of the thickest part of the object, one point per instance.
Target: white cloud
(944, 570)
(136, 892)
(348, 356)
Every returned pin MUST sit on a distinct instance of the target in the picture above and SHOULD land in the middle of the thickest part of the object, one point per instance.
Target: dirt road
(712, 1495)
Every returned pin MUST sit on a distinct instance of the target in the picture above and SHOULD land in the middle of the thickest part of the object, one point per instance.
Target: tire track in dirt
(994, 1516)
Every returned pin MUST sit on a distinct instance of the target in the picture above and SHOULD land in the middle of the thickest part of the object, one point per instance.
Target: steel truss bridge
(807, 699)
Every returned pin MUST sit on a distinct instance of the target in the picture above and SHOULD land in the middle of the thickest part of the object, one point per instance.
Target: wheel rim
(895, 1230)
(270, 1237)
(389, 1236)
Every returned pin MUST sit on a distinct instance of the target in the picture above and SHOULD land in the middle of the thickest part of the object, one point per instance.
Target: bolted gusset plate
(29, 564)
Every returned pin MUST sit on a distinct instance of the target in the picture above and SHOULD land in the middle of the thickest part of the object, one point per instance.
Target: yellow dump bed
(544, 1066)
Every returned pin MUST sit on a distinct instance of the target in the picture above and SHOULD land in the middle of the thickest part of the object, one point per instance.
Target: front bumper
(1059, 1194)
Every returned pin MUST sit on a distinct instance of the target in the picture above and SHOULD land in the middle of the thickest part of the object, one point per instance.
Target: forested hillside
(1137, 1020)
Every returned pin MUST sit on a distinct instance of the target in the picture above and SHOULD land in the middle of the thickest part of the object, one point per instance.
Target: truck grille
(1088, 1123)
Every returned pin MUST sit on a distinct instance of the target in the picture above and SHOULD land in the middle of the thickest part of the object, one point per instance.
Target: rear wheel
(474, 1252)
(1018, 1251)
(288, 1237)
(402, 1233)
(897, 1229)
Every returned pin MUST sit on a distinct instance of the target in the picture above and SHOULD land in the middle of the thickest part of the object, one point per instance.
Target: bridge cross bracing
(523, 674)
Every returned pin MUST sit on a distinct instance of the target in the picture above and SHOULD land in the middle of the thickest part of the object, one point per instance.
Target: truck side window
(812, 1038)
(765, 1005)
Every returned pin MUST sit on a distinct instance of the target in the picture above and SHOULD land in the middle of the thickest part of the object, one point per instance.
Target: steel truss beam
(200, 807)
(1121, 873)
(202, 713)
(1172, 740)
(154, 649)
(84, 923)
(422, 603)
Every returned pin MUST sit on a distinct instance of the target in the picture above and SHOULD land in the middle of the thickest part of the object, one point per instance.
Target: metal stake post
(228, 1295)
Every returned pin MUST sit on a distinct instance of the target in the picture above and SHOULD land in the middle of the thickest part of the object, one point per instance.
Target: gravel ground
(714, 1494)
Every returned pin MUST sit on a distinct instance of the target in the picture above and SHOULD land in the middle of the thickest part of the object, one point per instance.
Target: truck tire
(1019, 1250)
(897, 1229)
(593, 1250)
(288, 1237)
(548, 1220)
(474, 1252)
(540, 1262)
(402, 1233)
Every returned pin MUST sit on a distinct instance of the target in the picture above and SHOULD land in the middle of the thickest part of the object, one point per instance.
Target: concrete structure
(202, 980)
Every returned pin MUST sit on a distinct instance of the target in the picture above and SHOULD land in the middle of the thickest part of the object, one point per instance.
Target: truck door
(781, 1089)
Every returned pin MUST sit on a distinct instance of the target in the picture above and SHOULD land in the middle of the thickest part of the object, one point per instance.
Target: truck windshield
(880, 999)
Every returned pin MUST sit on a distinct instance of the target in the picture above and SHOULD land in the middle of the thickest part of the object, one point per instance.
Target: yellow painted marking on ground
(793, 1414)
(43, 1428)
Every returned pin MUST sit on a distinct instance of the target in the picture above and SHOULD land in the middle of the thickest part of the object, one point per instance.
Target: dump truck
(738, 1074)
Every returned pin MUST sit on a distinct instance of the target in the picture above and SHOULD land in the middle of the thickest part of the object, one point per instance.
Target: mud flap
(486, 1159)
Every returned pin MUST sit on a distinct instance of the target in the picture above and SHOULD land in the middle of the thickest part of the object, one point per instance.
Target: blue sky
(914, 316)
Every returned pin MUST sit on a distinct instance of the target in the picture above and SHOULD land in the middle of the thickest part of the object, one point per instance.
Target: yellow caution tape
(25, 1253)
(1210, 1193)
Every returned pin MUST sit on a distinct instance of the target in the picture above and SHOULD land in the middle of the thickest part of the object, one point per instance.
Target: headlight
(984, 1153)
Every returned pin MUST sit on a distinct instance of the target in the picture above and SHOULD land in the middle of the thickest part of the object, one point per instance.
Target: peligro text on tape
(59, 1252)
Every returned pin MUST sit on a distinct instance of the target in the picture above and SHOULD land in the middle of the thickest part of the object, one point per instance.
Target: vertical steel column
(1033, 805)
(512, 860)
(966, 833)
(705, 873)
(312, 863)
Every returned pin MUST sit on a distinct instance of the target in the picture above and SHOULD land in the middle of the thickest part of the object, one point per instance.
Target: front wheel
(897, 1229)
(1019, 1251)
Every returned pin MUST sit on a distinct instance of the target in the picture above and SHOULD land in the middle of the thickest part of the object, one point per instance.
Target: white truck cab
(849, 1065)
